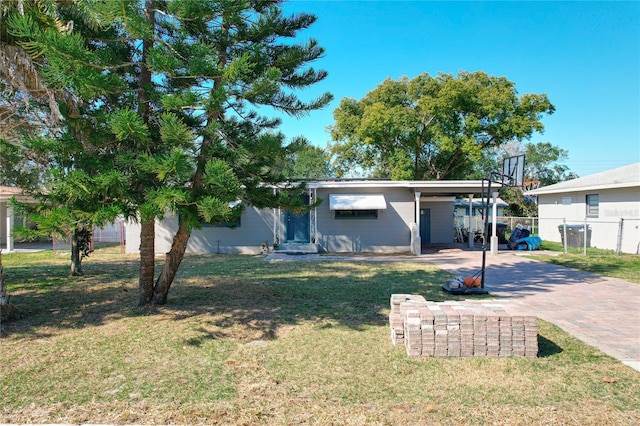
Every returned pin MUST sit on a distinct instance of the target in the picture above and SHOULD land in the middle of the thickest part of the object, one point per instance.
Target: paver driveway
(603, 312)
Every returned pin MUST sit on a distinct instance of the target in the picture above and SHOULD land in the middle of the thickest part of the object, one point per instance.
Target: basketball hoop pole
(512, 175)
(485, 232)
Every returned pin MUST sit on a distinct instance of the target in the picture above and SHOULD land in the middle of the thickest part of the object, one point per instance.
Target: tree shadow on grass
(256, 305)
(547, 348)
(238, 297)
(48, 298)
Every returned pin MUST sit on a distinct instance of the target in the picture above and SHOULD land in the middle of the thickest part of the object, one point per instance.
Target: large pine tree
(220, 60)
(28, 103)
(172, 98)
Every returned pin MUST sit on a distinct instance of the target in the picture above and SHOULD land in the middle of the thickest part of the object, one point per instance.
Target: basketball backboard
(513, 171)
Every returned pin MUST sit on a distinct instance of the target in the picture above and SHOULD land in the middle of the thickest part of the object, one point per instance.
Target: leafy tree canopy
(432, 127)
(543, 163)
(308, 162)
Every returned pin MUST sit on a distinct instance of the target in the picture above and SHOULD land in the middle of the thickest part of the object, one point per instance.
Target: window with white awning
(357, 202)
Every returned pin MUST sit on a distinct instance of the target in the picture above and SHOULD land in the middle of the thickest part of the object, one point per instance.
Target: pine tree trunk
(147, 261)
(4, 297)
(7, 310)
(76, 261)
(148, 227)
(171, 264)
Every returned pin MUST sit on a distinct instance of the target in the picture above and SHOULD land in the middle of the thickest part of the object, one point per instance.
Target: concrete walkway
(602, 312)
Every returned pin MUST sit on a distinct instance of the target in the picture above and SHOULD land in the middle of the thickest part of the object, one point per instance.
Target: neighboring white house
(608, 203)
(461, 206)
(8, 217)
(354, 216)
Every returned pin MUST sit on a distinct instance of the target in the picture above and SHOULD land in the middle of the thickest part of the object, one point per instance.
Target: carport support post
(494, 228)
(9, 229)
(472, 232)
(584, 237)
(417, 244)
(619, 242)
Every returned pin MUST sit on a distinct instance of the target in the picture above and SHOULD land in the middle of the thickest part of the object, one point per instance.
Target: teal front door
(425, 225)
(298, 225)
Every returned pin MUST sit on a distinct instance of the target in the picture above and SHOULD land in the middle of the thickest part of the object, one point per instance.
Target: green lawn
(247, 342)
(597, 261)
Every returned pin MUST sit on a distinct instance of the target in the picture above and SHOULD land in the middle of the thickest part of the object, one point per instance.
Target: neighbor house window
(566, 201)
(356, 214)
(593, 203)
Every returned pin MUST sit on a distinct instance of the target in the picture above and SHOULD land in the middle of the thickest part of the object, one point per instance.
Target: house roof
(479, 202)
(622, 177)
(8, 192)
(430, 187)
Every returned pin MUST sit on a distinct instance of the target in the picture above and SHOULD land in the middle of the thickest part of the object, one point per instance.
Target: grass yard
(597, 261)
(246, 342)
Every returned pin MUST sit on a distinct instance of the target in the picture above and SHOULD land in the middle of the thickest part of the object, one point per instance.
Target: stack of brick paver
(460, 329)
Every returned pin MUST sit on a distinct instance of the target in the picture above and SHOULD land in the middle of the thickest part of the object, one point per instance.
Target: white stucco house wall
(608, 203)
(354, 216)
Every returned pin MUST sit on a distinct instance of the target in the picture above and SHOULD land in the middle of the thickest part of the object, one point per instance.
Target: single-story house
(8, 217)
(461, 206)
(475, 220)
(354, 216)
(603, 209)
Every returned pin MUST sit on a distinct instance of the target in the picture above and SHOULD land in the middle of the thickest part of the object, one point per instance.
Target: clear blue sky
(584, 55)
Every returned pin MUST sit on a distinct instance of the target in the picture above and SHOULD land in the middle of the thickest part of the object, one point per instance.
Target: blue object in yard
(528, 243)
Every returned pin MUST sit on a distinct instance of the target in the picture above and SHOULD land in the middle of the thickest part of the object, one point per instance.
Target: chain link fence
(475, 225)
(107, 240)
(575, 234)
(621, 236)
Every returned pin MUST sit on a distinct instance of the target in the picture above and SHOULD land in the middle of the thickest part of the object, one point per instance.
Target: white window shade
(357, 202)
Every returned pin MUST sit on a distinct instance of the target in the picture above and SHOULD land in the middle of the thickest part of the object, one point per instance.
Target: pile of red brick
(460, 329)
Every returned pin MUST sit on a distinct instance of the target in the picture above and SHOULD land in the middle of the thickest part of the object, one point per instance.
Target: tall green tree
(432, 127)
(544, 164)
(175, 113)
(68, 70)
(308, 162)
(231, 58)
(29, 105)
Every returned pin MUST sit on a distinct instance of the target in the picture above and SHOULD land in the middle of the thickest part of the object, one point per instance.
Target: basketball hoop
(512, 174)
(513, 171)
